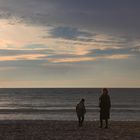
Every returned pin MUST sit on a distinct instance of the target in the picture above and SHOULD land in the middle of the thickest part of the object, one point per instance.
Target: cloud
(30, 49)
(3, 69)
(51, 57)
(79, 29)
(70, 33)
(28, 52)
(136, 49)
(118, 56)
(91, 22)
(19, 35)
(109, 51)
(36, 46)
(106, 16)
(22, 57)
(84, 58)
(71, 60)
(96, 55)
(43, 42)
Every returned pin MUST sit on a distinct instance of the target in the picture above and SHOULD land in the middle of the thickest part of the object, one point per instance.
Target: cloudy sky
(69, 43)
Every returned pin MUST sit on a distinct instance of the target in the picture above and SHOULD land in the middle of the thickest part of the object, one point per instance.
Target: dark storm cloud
(110, 15)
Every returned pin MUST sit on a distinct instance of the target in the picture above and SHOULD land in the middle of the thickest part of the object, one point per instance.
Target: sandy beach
(67, 130)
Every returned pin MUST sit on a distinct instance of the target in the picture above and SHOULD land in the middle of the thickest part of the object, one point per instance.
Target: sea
(60, 103)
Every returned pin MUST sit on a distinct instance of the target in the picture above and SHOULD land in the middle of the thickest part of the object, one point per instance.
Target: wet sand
(67, 130)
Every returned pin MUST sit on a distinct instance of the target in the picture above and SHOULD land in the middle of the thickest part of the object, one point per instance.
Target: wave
(60, 110)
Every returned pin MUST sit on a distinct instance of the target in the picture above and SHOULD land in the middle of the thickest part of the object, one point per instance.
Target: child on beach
(80, 110)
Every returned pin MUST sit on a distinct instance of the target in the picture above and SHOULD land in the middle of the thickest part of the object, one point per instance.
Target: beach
(68, 130)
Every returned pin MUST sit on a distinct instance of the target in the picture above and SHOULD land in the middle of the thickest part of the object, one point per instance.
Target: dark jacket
(80, 109)
(105, 105)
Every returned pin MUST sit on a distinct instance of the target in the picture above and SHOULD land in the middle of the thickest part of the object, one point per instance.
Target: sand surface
(67, 130)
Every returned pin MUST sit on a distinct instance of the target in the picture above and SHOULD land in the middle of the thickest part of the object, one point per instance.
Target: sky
(69, 43)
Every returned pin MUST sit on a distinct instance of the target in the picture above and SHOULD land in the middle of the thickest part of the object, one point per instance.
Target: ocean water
(59, 103)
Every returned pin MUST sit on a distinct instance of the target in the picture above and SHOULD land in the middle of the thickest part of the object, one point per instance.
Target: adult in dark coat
(80, 110)
(105, 105)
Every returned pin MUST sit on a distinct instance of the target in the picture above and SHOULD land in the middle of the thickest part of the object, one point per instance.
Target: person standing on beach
(105, 105)
(80, 110)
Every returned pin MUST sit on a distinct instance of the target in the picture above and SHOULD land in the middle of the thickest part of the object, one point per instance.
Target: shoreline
(61, 121)
(67, 130)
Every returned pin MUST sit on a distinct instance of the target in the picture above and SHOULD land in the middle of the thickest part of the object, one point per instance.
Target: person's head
(83, 100)
(105, 91)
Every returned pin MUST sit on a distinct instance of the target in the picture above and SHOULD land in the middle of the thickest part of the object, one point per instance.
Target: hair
(82, 99)
(105, 90)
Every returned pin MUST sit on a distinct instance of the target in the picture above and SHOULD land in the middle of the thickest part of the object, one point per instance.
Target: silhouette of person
(80, 110)
(105, 105)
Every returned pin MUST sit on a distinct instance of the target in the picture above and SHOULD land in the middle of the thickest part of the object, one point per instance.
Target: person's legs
(101, 123)
(82, 120)
(101, 118)
(106, 121)
(79, 120)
